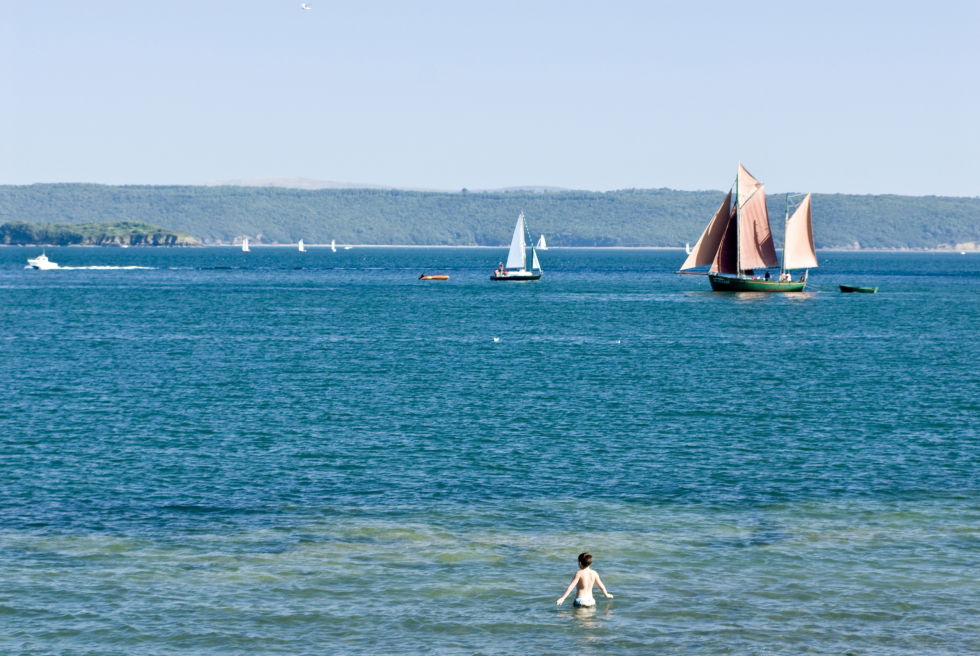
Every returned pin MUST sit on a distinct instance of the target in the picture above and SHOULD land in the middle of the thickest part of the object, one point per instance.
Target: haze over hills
(302, 183)
(630, 217)
(309, 183)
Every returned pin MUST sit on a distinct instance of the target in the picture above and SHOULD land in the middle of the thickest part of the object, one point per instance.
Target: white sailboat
(542, 244)
(245, 248)
(333, 245)
(517, 265)
(301, 247)
(687, 247)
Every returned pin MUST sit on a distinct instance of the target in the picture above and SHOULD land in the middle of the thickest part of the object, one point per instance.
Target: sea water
(285, 453)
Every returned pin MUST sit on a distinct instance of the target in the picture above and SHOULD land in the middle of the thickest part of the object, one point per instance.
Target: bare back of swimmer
(583, 581)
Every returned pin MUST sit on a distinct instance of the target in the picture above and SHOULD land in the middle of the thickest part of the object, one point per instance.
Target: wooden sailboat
(738, 243)
(517, 265)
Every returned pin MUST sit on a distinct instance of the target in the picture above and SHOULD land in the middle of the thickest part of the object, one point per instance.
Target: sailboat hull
(517, 277)
(726, 284)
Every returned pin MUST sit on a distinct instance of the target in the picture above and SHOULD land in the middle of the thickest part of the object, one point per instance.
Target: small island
(119, 233)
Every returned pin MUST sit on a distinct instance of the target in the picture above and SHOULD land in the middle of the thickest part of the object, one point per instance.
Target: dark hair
(584, 559)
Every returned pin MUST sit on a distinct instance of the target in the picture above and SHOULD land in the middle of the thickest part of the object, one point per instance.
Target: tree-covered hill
(634, 217)
(122, 233)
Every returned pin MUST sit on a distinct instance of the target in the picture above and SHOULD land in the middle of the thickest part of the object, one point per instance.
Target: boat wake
(96, 267)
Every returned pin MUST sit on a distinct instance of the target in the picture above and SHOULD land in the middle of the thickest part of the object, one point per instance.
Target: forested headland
(632, 217)
(122, 233)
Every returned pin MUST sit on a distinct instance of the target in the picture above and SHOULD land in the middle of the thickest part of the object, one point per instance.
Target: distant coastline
(636, 218)
(954, 251)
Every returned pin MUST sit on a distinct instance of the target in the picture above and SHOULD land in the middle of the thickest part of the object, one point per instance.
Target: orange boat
(425, 277)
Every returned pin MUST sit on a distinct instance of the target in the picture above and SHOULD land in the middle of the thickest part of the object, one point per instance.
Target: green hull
(726, 284)
(858, 290)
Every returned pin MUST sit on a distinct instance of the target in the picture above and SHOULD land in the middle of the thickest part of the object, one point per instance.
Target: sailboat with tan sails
(738, 243)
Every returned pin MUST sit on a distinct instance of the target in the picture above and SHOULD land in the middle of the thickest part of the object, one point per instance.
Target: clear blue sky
(851, 97)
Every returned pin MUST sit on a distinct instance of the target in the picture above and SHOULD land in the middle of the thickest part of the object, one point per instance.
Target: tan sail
(706, 248)
(799, 253)
(755, 245)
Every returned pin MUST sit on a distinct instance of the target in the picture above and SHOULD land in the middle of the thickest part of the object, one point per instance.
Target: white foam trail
(103, 268)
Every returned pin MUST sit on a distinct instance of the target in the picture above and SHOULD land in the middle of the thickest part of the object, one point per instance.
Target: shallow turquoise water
(278, 454)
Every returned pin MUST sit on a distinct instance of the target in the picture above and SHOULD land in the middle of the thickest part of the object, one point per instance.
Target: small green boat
(858, 290)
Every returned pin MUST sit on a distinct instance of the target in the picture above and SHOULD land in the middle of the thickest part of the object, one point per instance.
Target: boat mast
(782, 268)
(530, 242)
(738, 231)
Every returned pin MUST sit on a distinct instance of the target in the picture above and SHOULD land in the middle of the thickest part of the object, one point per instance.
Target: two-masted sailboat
(517, 258)
(738, 243)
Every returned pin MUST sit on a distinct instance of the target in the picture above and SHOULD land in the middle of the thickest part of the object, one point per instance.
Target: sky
(861, 97)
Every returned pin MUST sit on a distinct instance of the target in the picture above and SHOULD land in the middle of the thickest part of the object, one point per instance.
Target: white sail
(301, 247)
(333, 245)
(542, 244)
(687, 247)
(516, 258)
(245, 248)
(535, 265)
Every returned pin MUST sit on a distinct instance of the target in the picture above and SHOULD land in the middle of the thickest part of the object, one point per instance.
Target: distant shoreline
(501, 247)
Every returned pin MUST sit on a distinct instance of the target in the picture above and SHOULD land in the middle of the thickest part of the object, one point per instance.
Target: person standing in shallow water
(585, 578)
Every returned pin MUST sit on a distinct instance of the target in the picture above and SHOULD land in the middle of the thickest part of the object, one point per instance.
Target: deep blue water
(275, 453)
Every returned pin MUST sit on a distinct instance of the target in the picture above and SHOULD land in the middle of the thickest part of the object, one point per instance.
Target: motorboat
(41, 262)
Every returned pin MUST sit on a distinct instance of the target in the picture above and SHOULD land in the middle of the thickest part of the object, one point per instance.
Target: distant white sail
(245, 248)
(333, 245)
(300, 247)
(687, 247)
(542, 244)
